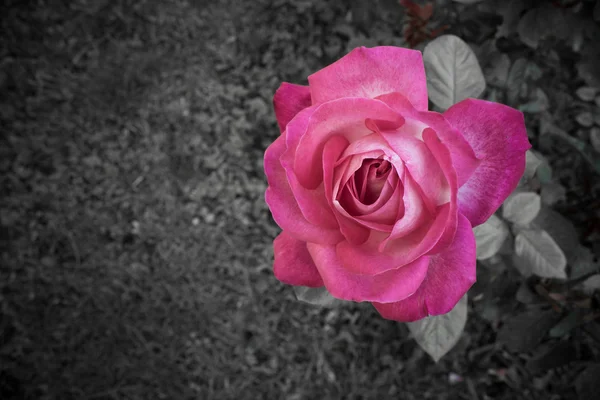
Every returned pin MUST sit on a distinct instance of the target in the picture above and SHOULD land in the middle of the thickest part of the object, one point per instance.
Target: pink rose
(376, 195)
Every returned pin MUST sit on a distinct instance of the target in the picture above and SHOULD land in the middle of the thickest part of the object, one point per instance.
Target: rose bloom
(377, 196)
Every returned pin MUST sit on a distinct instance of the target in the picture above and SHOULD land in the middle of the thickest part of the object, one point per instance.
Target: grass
(136, 244)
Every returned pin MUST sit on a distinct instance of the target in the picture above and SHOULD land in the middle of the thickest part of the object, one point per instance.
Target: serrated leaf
(525, 331)
(540, 251)
(453, 72)
(521, 208)
(438, 334)
(586, 93)
(316, 296)
(489, 237)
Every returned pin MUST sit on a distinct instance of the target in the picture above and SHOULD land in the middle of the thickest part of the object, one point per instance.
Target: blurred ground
(135, 241)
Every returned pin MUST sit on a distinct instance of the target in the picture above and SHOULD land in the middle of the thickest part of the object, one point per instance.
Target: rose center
(370, 179)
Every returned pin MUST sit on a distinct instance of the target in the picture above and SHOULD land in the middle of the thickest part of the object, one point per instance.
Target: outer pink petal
(312, 202)
(293, 264)
(288, 101)
(283, 205)
(345, 117)
(498, 136)
(370, 73)
(450, 276)
(387, 287)
(463, 157)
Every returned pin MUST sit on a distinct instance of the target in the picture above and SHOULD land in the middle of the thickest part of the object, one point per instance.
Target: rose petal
(288, 101)
(498, 136)
(449, 277)
(463, 157)
(442, 155)
(345, 117)
(370, 258)
(369, 73)
(313, 203)
(416, 212)
(293, 264)
(422, 236)
(332, 152)
(387, 287)
(282, 202)
(384, 213)
(421, 164)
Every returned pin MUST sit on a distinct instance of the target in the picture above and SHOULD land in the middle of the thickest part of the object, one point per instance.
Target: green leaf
(317, 296)
(438, 334)
(521, 207)
(490, 236)
(541, 253)
(453, 72)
